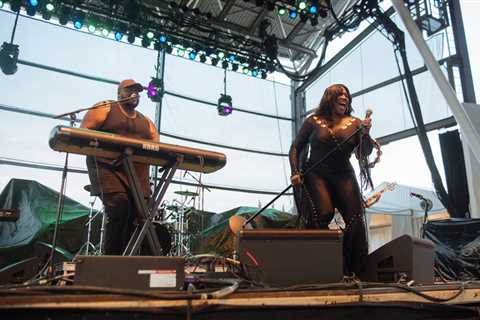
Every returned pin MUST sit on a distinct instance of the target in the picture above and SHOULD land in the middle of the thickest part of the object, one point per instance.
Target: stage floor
(359, 300)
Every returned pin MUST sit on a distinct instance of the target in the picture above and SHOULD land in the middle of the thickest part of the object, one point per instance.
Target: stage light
(232, 57)
(33, 3)
(78, 19)
(323, 13)
(91, 27)
(234, 66)
(221, 54)
(293, 14)
(203, 58)
(64, 15)
(314, 21)
(281, 11)
(224, 105)
(155, 90)
(303, 16)
(132, 34)
(209, 51)
(31, 10)
(192, 55)
(118, 35)
(145, 42)
(302, 5)
(105, 31)
(162, 38)
(1, 4)
(254, 73)
(313, 9)
(263, 74)
(9, 58)
(245, 70)
(169, 49)
(15, 5)
(225, 64)
(150, 35)
(180, 52)
(214, 61)
(50, 6)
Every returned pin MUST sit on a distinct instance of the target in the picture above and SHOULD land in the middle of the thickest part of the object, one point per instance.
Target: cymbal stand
(89, 244)
(182, 238)
(96, 249)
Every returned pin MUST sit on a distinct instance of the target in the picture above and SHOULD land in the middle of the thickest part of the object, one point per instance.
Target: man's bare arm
(94, 118)
(154, 135)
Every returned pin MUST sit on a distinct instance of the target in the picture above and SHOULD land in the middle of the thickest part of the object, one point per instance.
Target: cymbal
(88, 188)
(187, 193)
(172, 208)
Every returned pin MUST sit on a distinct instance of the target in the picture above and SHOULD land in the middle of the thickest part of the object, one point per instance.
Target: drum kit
(174, 225)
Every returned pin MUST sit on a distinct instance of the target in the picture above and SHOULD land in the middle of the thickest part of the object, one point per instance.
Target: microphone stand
(100, 105)
(337, 147)
(60, 205)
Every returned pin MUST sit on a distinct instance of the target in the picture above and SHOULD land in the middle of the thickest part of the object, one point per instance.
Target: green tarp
(219, 239)
(38, 208)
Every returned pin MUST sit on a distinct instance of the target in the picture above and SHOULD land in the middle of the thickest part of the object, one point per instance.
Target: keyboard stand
(146, 211)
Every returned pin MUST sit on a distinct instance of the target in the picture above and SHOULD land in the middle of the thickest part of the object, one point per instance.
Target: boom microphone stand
(61, 200)
(337, 147)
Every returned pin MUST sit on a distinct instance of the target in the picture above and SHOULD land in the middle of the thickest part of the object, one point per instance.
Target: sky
(25, 138)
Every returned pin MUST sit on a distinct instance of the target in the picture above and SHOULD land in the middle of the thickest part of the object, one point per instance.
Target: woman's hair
(329, 98)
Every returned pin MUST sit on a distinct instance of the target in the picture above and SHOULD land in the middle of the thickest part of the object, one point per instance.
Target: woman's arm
(297, 147)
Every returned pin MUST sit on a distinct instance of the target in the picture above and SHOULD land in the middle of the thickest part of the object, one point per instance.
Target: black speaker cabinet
(286, 257)
(405, 257)
(20, 271)
(138, 272)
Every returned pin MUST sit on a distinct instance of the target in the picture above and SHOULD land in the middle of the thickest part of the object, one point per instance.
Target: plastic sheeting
(399, 201)
(457, 248)
(38, 207)
(218, 238)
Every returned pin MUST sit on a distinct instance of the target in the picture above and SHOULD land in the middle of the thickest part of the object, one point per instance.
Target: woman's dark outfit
(332, 184)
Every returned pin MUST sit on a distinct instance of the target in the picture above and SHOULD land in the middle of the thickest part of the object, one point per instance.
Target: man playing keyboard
(108, 180)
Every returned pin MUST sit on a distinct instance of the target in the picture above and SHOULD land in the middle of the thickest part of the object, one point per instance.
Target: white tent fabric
(397, 213)
(399, 202)
(472, 165)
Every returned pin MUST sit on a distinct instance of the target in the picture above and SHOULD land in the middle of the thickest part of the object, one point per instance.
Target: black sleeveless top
(106, 178)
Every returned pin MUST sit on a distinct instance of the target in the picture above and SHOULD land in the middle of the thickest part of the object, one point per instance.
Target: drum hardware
(96, 250)
(187, 193)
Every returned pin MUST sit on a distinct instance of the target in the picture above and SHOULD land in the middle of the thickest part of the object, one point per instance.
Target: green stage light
(91, 27)
(302, 5)
(50, 6)
(105, 32)
(221, 54)
(1, 4)
(180, 52)
(150, 35)
(245, 70)
(281, 11)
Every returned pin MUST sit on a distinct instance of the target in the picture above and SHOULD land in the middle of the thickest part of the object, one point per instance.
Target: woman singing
(331, 183)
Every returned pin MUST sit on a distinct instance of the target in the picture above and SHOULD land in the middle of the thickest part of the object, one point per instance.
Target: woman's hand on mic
(367, 124)
(296, 179)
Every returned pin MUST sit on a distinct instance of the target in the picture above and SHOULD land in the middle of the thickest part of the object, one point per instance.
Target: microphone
(368, 113)
(417, 195)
